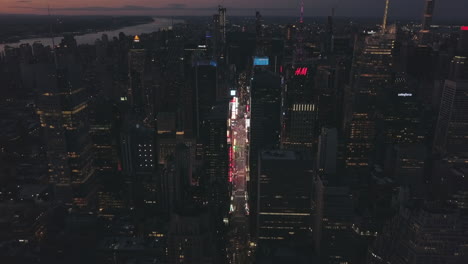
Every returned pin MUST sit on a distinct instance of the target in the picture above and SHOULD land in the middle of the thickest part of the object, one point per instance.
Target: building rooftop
(279, 155)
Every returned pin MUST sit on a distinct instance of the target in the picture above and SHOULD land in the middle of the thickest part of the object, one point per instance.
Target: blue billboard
(261, 61)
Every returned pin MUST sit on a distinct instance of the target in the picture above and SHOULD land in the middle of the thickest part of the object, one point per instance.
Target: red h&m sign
(301, 71)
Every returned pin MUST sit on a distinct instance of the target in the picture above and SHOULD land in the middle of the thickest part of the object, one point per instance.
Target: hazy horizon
(409, 9)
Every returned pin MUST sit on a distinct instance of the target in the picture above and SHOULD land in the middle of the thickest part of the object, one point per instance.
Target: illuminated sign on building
(405, 94)
(464, 28)
(233, 92)
(261, 61)
(207, 63)
(234, 105)
(301, 71)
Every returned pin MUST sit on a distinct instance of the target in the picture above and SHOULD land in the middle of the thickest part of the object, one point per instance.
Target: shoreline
(18, 39)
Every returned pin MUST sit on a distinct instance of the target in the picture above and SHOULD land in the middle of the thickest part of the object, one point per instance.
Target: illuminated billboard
(261, 61)
(301, 71)
(464, 28)
(405, 94)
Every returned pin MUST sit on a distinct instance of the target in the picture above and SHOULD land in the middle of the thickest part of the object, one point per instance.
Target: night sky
(456, 9)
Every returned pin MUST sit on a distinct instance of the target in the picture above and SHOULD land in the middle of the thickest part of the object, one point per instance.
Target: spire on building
(384, 23)
(302, 12)
(424, 34)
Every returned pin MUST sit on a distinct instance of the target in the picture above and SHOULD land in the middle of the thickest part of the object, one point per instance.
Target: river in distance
(90, 38)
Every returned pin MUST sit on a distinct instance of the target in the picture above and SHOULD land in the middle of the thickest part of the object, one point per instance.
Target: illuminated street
(239, 229)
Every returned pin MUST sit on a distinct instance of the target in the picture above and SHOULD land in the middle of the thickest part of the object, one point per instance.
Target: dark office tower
(458, 68)
(137, 149)
(205, 85)
(216, 35)
(191, 237)
(176, 180)
(333, 223)
(222, 23)
(259, 26)
(452, 123)
(299, 111)
(138, 162)
(404, 133)
(219, 33)
(298, 53)
(63, 111)
(330, 32)
(285, 198)
(462, 48)
(425, 36)
(421, 235)
(327, 151)
(103, 137)
(215, 166)
(301, 126)
(182, 172)
(214, 130)
(371, 77)
(326, 94)
(265, 115)
(403, 113)
(136, 66)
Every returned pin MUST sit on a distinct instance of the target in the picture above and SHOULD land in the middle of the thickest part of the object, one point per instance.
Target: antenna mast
(52, 37)
(302, 12)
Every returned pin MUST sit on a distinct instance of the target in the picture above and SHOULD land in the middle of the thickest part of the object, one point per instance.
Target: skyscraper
(371, 77)
(452, 124)
(333, 222)
(299, 117)
(213, 136)
(222, 23)
(265, 118)
(191, 237)
(137, 94)
(63, 111)
(205, 85)
(421, 235)
(327, 151)
(425, 36)
(285, 198)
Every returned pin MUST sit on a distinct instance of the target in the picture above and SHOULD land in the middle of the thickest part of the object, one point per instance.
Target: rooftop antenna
(302, 12)
(384, 23)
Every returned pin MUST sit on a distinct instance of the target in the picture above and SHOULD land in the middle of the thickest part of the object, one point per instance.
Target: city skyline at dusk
(233, 132)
